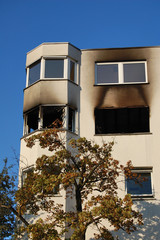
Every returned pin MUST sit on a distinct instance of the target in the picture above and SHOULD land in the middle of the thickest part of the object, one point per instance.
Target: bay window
(52, 68)
(44, 117)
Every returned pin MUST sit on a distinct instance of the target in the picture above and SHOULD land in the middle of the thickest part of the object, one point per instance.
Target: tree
(90, 175)
(7, 190)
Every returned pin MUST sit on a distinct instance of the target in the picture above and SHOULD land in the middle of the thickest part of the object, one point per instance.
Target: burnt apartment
(104, 95)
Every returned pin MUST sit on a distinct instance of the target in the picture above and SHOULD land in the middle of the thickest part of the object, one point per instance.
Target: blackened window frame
(71, 119)
(66, 118)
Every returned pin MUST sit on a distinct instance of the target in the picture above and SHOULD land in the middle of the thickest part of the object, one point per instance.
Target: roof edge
(92, 49)
(50, 43)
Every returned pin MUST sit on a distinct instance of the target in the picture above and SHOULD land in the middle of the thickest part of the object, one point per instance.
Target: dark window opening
(53, 116)
(34, 72)
(32, 120)
(71, 120)
(141, 187)
(122, 120)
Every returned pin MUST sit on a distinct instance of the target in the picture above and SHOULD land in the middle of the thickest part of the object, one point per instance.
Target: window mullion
(27, 77)
(66, 68)
(120, 73)
(75, 72)
(25, 127)
(40, 118)
(66, 117)
(42, 69)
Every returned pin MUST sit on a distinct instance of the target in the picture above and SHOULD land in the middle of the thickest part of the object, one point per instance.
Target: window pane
(107, 73)
(134, 72)
(54, 68)
(144, 187)
(34, 72)
(72, 67)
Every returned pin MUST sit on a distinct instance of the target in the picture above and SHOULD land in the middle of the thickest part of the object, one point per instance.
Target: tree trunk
(78, 200)
(79, 209)
(83, 236)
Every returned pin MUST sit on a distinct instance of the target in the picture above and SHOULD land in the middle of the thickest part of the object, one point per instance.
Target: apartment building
(103, 95)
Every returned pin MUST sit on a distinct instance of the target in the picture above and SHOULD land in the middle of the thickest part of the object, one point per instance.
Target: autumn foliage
(7, 190)
(90, 176)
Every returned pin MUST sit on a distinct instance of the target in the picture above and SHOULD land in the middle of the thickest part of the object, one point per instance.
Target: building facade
(103, 95)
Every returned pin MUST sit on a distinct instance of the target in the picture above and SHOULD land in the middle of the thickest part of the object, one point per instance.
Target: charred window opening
(32, 120)
(52, 115)
(71, 120)
(122, 120)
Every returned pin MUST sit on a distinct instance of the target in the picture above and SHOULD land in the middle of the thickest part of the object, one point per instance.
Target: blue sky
(24, 24)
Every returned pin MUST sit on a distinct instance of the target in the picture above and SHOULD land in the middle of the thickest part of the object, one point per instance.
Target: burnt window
(71, 120)
(32, 120)
(52, 115)
(122, 120)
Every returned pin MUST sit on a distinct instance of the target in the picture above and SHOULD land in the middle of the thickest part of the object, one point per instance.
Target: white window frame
(140, 171)
(66, 70)
(120, 72)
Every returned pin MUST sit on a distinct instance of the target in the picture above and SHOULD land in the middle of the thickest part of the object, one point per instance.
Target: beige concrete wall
(46, 92)
(53, 49)
(143, 148)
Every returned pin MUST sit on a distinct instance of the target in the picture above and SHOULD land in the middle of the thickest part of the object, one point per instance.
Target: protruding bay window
(52, 68)
(43, 117)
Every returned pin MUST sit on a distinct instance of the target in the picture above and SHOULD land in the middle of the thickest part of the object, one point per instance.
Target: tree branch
(16, 213)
